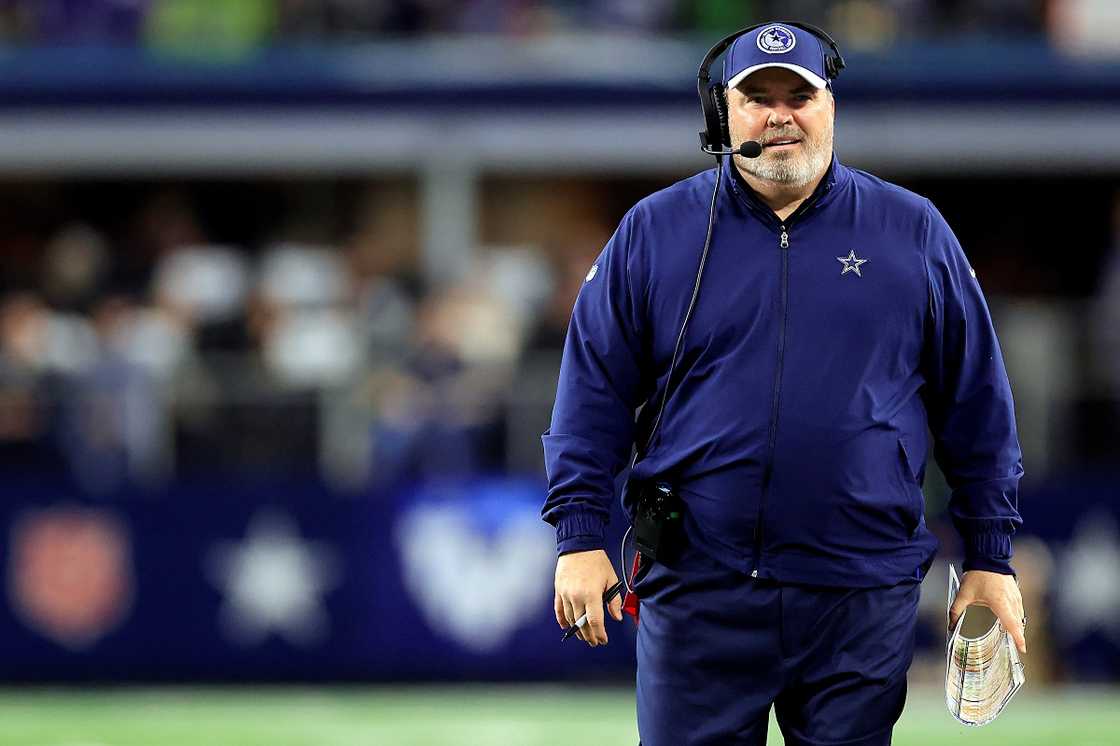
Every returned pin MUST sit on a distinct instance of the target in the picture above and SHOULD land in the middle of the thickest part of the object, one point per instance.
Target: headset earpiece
(715, 114)
(719, 102)
(833, 63)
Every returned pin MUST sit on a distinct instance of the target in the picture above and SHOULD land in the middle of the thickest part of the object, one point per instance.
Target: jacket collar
(834, 178)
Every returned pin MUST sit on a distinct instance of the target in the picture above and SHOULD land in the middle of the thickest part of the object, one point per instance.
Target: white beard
(790, 168)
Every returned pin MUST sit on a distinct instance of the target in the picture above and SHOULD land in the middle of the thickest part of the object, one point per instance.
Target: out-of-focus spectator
(863, 24)
(25, 417)
(75, 264)
(570, 267)
(114, 418)
(529, 403)
(303, 276)
(35, 339)
(312, 347)
(440, 411)
(310, 340)
(202, 284)
(165, 222)
(1085, 27)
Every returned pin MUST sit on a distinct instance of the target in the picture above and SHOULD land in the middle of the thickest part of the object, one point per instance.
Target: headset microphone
(749, 149)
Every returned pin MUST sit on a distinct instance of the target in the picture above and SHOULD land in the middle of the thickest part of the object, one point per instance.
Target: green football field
(474, 716)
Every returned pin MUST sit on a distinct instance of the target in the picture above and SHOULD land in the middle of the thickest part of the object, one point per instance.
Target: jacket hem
(863, 572)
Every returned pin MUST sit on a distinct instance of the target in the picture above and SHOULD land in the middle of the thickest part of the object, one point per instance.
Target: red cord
(631, 602)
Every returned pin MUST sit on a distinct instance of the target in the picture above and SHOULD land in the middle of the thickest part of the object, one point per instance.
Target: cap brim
(811, 77)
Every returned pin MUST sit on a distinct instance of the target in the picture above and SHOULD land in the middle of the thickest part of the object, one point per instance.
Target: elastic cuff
(989, 551)
(579, 544)
(579, 531)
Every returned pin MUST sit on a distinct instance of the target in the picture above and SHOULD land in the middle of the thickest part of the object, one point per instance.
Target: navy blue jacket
(812, 371)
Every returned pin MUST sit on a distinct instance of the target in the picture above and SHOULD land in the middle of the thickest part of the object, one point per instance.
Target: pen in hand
(611, 592)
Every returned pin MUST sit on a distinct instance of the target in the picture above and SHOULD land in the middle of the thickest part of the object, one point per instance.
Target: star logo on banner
(1088, 594)
(273, 582)
(851, 264)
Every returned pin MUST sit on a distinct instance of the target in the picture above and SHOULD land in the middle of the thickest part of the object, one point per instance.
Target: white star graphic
(1088, 594)
(851, 264)
(273, 582)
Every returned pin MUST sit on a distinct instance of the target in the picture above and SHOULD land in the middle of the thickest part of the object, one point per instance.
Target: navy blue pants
(717, 648)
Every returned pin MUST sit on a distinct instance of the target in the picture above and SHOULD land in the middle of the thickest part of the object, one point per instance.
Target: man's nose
(779, 115)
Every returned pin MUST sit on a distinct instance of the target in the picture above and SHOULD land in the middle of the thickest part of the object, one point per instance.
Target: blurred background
(283, 290)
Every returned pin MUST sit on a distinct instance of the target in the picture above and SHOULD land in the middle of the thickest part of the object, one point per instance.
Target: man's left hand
(998, 592)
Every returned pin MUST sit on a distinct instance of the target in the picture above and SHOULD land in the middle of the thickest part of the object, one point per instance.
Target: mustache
(784, 135)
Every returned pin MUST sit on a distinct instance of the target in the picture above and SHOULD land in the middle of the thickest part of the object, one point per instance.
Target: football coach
(791, 329)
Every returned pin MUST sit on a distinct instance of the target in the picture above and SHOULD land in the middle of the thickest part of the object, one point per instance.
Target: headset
(715, 140)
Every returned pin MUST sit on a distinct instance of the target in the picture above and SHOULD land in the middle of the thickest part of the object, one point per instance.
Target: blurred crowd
(248, 24)
(154, 331)
(139, 349)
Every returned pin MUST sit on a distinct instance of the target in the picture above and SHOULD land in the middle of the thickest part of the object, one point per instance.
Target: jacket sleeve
(971, 413)
(601, 384)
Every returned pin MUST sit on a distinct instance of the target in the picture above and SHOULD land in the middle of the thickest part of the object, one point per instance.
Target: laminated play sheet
(981, 673)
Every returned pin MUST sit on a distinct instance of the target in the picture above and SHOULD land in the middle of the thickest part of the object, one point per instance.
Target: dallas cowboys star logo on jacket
(851, 264)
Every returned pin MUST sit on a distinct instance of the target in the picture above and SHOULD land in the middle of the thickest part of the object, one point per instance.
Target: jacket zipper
(783, 245)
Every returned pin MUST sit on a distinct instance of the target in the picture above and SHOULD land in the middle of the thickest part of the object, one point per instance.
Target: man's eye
(804, 97)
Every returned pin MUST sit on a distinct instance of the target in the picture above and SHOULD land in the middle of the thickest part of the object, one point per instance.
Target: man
(837, 319)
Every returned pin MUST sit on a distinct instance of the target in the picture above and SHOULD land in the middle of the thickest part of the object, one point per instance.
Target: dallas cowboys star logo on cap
(776, 39)
(851, 264)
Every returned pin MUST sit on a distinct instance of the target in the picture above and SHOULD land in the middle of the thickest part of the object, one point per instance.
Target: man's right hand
(581, 580)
